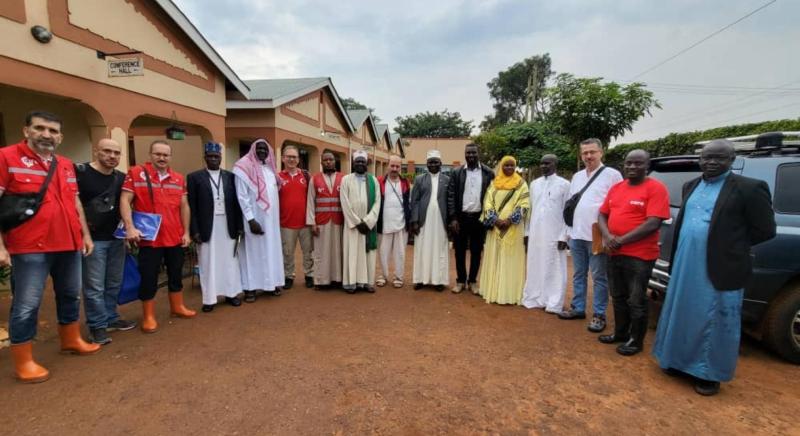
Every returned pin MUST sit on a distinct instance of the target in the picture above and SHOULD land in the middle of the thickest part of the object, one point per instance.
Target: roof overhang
(187, 27)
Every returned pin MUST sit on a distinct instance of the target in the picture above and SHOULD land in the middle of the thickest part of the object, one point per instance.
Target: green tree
(517, 92)
(352, 104)
(442, 124)
(527, 142)
(587, 108)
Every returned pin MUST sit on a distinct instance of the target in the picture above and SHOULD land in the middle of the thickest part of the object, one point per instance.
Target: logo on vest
(28, 162)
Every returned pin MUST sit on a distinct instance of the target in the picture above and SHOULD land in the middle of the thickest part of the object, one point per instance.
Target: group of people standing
(246, 224)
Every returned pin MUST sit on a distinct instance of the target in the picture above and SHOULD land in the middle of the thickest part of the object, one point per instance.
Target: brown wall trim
(299, 117)
(13, 10)
(62, 27)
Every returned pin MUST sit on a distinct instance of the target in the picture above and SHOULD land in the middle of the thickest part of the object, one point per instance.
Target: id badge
(219, 206)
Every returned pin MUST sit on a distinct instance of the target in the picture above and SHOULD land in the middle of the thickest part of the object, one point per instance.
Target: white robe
(219, 269)
(546, 281)
(431, 249)
(260, 256)
(359, 264)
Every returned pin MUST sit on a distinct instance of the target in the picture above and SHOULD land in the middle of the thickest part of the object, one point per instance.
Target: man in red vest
(155, 188)
(324, 215)
(49, 242)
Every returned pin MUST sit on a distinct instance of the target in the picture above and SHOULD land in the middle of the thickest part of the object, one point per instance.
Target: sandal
(397, 283)
(381, 282)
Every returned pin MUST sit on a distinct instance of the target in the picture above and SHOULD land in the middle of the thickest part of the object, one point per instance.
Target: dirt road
(396, 362)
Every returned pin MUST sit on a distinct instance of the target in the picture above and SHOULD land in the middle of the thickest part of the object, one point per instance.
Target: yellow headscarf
(502, 181)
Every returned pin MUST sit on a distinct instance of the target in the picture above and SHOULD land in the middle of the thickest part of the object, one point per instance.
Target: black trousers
(627, 282)
(150, 261)
(471, 235)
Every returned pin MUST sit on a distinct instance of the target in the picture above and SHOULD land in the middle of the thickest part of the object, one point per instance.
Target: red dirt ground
(396, 362)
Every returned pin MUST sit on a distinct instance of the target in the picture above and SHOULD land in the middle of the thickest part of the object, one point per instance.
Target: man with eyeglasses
(157, 189)
(293, 196)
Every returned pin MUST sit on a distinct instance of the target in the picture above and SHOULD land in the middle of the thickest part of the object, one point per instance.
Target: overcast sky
(404, 57)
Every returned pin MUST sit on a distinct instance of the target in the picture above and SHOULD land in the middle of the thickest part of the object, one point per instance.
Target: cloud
(416, 55)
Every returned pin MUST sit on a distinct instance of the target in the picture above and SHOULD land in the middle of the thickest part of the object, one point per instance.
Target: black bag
(15, 209)
(571, 204)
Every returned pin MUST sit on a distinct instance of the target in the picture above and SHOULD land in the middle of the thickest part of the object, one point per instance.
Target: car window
(674, 180)
(787, 194)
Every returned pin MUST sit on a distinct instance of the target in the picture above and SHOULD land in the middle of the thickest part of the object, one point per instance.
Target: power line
(715, 33)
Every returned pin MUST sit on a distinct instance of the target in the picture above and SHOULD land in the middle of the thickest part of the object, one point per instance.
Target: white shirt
(587, 209)
(393, 217)
(471, 201)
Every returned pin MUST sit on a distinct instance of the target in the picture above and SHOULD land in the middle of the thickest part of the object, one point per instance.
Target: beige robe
(359, 264)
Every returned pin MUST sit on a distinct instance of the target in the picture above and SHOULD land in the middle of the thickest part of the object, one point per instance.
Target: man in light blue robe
(722, 216)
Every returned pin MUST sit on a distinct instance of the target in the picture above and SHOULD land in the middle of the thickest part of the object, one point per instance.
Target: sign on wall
(125, 67)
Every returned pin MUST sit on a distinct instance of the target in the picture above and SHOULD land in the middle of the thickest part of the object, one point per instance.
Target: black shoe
(249, 296)
(288, 284)
(706, 388)
(208, 308)
(233, 301)
(629, 348)
(350, 291)
(611, 339)
(672, 372)
(598, 324)
(309, 282)
(370, 289)
(417, 286)
(277, 292)
(572, 314)
(439, 288)
(121, 325)
(99, 336)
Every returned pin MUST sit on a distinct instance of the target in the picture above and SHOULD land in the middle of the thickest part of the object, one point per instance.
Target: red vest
(56, 226)
(327, 206)
(167, 194)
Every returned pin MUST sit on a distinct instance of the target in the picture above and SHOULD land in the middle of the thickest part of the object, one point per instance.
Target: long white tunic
(431, 250)
(546, 280)
(359, 264)
(260, 256)
(219, 269)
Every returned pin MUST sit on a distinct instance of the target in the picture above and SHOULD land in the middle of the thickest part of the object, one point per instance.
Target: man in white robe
(215, 227)
(546, 232)
(359, 239)
(261, 254)
(428, 217)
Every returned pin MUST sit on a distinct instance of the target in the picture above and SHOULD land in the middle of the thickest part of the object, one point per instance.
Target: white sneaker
(458, 288)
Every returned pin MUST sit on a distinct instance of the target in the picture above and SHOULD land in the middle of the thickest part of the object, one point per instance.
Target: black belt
(471, 214)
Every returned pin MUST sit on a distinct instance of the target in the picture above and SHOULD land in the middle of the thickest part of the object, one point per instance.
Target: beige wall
(250, 118)
(452, 149)
(74, 59)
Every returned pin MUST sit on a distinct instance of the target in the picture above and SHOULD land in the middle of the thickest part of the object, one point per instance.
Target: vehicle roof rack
(762, 144)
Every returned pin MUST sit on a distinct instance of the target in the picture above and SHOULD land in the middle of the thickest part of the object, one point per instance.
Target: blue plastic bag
(131, 280)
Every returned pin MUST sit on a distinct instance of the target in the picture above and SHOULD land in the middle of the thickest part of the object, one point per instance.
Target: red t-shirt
(167, 195)
(56, 226)
(292, 195)
(627, 206)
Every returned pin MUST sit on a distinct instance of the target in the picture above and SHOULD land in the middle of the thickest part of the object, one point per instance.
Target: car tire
(781, 328)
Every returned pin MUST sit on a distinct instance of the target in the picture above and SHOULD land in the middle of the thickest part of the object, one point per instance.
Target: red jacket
(56, 226)
(167, 195)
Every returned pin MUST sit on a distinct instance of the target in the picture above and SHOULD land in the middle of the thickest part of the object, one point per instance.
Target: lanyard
(215, 182)
(391, 185)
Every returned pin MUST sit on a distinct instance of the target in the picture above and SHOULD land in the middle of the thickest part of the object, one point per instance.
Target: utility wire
(715, 33)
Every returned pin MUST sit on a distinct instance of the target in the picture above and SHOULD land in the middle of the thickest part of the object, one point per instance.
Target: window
(674, 182)
(787, 194)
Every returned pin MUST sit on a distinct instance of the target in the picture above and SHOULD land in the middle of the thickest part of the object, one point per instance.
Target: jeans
(28, 276)
(102, 280)
(150, 261)
(582, 261)
(471, 235)
(627, 278)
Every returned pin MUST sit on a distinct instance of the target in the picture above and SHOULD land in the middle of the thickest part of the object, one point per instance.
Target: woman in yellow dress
(505, 209)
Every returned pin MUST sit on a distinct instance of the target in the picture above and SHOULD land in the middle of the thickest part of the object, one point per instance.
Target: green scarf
(372, 236)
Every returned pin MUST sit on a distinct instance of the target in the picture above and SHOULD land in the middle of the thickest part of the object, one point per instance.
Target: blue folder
(147, 223)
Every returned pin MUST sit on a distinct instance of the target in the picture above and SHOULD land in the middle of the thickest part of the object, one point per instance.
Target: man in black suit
(722, 216)
(465, 193)
(216, 226)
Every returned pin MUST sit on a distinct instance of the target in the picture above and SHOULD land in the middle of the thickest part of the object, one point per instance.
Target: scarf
(249, 167)
(502, 181)
(372, 236)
